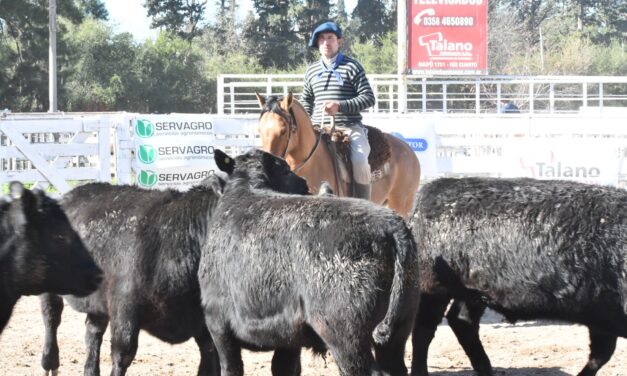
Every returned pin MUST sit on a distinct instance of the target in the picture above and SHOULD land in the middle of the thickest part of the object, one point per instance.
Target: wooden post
(402, 55)
(52, 56)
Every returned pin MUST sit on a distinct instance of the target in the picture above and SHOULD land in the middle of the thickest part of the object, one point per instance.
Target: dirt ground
(524, 349)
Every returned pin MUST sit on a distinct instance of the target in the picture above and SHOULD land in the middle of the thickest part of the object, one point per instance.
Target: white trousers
(360, 149)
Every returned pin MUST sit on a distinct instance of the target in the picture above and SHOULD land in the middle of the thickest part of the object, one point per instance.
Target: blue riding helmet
(327, 27)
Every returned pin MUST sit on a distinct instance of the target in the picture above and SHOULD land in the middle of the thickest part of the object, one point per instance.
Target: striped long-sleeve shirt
(353, 91)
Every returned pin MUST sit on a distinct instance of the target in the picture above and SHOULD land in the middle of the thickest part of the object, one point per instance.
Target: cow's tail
(404, 292)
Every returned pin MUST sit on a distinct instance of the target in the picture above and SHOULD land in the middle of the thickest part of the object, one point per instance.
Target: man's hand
(331, 107)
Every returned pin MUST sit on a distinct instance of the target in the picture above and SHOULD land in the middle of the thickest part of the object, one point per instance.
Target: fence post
(531, 97)
(104, 150)
(424, 94)
(123, 147)
(477, 98)
(220, 109)
(601, 97)
(551, 98)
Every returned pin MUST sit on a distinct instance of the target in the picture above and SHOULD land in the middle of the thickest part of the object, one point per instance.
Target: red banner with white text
(448, 37)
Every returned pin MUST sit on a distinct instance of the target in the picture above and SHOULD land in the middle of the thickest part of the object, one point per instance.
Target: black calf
(528, 249)
(40, 251)
(281, 271)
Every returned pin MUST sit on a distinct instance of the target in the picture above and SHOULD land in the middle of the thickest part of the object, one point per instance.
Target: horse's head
(276, 123)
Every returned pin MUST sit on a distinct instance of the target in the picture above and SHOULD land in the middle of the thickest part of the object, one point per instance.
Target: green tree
(601, 20)
(530, 15)
(177, 16)
(270, 36)
(103, 74)
(95, 8)
(25, 39)
(379, 57)
(339, 15)
(370, 20)
(171, 73)
(222, 37)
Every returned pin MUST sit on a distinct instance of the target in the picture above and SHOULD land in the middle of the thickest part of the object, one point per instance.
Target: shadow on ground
(525, 371)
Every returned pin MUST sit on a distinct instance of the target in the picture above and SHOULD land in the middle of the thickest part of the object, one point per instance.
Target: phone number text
(448, 21)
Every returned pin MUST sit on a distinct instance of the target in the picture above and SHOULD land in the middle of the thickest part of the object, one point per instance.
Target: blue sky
(130, 15)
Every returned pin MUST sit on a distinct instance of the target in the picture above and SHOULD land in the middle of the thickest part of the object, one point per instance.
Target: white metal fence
(478, 95)
(56, 149)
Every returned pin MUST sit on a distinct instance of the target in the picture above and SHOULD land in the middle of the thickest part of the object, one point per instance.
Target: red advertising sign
(448, 37)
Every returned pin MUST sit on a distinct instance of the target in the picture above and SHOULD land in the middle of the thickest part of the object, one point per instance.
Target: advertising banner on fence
(448, 37)
(581, 160)
(419, 134)
(176, 151)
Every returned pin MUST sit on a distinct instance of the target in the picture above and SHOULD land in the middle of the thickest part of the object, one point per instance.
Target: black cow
(526, 248)
(148, 244)
(39, 251)
(284, 271)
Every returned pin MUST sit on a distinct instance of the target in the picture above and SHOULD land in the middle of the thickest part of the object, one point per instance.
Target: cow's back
(533, 248)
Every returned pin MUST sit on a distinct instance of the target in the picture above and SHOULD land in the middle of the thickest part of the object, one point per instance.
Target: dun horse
(286, 131)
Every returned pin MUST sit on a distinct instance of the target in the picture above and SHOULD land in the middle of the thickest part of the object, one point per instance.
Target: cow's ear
(24, 204)
(261, 100)
(269, 161)
(224, 162)
(16, 189)
(287, 101)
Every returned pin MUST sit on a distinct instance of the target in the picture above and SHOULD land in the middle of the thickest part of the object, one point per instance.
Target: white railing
(55, 149)
(395, 94)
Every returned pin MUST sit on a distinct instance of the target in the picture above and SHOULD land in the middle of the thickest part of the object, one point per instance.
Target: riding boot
(362, 191)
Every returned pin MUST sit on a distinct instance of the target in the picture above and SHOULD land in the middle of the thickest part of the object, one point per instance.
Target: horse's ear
(261, 100)
(287, 101)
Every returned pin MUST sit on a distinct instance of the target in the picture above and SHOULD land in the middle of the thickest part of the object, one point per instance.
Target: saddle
(379, 150)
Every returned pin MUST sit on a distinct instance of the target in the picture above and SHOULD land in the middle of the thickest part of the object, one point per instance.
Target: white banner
(419, 134)
(176, 151)
(578, 159)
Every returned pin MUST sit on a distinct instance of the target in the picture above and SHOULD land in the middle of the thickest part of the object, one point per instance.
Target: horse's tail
(404, 294)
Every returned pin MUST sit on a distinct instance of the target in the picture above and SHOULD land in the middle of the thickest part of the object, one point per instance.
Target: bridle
(291, 119)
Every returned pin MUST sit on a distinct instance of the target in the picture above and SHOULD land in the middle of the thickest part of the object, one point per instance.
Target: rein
(292, 120)
(313, 150)
(336, 168)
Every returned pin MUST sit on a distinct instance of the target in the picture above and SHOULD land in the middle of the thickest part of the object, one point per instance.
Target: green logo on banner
(144, 128)
(147, 178)
(146, 154)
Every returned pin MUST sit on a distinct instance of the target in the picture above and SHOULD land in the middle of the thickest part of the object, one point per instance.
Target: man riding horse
(337, 85)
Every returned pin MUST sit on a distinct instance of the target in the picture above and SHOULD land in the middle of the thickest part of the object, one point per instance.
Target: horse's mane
(273, 105)
(302, 117)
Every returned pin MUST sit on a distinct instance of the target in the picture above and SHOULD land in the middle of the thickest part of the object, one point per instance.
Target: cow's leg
(229, 350)
(124, 336)
(348, 344)
(463, 318)
(95, 327)
(354, 359)
(391, 357)
(430, 313)
(286, 362)
(209, 362)
(51, 309)
(602, 347)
